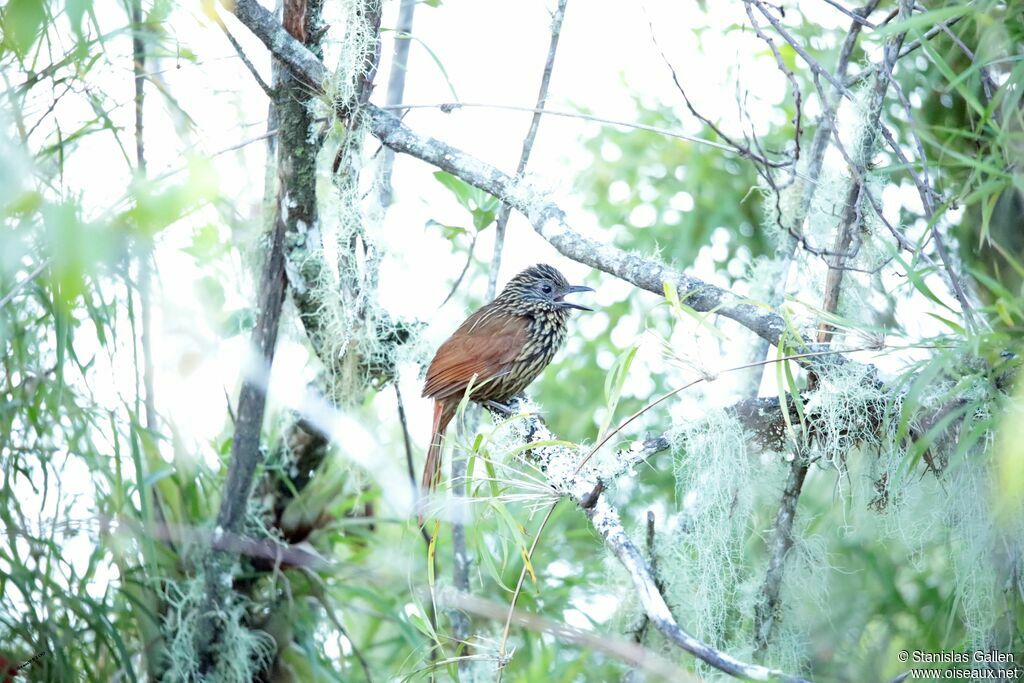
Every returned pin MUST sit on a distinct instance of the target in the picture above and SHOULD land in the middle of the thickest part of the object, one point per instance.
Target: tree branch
(785, 253)
(245, 449)
(562, 466)
(768, 606)
(156, 647)
(546, 217)
(531, 135)
(449, 107)
(268, 91)
(396, 90)
(245, 445)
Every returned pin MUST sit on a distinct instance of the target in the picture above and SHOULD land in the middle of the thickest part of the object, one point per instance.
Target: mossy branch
(561, 467)
(768, 607)
(546, 217)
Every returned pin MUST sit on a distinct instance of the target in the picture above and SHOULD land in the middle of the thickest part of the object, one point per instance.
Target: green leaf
(613, 383)
(22, 20)
(76, 9)
(206, 244)
(437, 61)
(925, 20)
(451, 232)
(683, 311)
(463, 191)
(482, 218)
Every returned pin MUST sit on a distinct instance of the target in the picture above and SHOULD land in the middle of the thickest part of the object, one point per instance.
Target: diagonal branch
(546, 217)
(574, 482)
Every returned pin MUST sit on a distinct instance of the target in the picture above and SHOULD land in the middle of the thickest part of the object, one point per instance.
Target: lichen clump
(242, 652)
(358, 341)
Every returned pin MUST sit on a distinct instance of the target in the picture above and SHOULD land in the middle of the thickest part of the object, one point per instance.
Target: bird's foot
(503, 409)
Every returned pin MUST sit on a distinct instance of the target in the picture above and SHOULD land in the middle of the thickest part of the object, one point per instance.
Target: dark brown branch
(766, 611)
(269, 91)
(245, 446)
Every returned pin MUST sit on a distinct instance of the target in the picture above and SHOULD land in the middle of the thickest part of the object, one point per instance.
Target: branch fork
(562, 467)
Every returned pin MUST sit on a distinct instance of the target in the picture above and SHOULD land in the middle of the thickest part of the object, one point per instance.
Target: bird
(499, 350)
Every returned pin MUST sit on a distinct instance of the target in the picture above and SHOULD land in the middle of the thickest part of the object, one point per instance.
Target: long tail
(432, 465)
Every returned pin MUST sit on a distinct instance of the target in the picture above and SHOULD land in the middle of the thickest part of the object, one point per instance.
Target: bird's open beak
(572, 290)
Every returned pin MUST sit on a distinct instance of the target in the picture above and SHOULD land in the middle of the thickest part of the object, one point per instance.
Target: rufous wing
(485, 345)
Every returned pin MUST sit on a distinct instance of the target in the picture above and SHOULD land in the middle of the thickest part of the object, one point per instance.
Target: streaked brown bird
(500, 349)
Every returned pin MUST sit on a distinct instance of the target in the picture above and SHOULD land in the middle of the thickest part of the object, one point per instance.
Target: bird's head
(541, 288)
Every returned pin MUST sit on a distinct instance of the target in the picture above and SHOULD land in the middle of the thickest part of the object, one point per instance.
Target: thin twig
(449, 107)
(145, 269)
(465, 269)
(527, 562)
(640, 633)
(795, 44)
(356, 650)
(410, 465)
(18, 286)
(396, 90)
(767, 608)
(589, 499)
(245, 59)
(858, 18)
(155, 650)
(819, 145)
(269, 135)
(505, 210)
(733, 145)
(790, 76)
(631, 653)
(987, 84)
(546, 217)
(608, 524)
(925, 192)
(907, 49)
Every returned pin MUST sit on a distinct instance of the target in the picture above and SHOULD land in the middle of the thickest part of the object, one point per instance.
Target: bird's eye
(546, 288)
